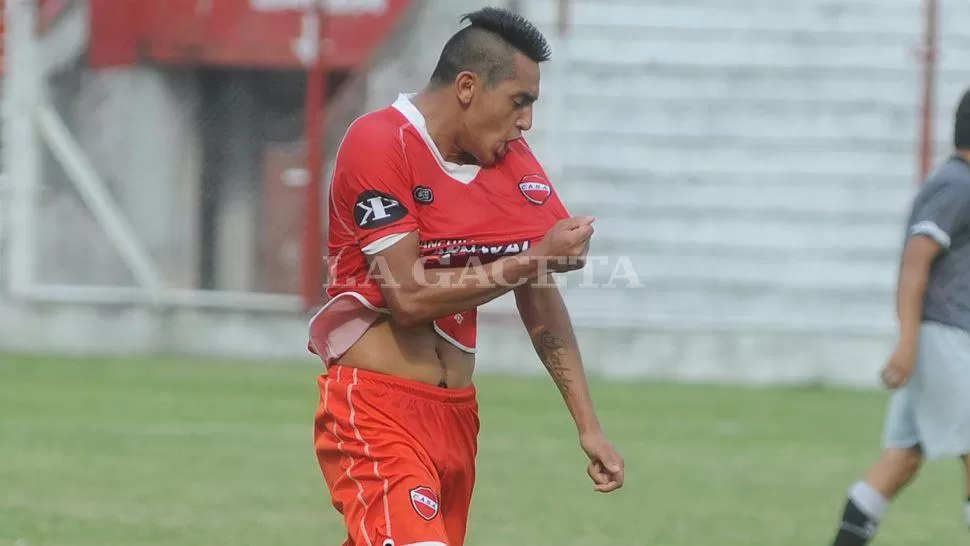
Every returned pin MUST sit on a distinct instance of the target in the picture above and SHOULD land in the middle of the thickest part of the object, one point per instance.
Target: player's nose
(524, 122)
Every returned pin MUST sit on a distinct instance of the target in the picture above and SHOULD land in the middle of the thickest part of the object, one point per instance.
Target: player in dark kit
(440, 180)
(929, 414)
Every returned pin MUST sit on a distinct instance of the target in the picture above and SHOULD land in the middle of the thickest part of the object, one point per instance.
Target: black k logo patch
(376, 209)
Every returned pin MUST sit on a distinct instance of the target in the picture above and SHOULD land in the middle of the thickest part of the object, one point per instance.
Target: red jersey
(390, 180)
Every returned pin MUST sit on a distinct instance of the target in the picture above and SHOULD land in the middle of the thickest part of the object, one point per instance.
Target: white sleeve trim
(931, 230)
(384, 243)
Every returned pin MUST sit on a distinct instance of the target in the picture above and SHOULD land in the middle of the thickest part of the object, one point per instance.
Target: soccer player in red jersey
(437, 206)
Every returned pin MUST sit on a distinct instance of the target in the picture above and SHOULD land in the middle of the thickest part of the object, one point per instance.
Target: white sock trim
(869, 500)
(966, 513)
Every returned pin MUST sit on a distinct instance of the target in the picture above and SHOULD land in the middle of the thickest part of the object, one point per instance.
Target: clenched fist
(565, 246)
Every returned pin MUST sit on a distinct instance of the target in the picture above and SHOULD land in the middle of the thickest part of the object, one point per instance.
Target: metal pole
(563, 17)
(312, 262)
(23, 87)
(930, 56)
(97, 197)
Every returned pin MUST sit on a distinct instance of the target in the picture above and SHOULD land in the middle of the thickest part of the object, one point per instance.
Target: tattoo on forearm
(552, 352)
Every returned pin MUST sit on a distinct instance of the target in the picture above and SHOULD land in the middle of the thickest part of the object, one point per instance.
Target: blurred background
(751, 163)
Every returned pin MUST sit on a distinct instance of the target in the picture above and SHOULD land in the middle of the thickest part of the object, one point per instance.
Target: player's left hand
(605, 464)
(900, 366)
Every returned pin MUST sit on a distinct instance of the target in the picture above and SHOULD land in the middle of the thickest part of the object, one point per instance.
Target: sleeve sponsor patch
(423, 195)
(375, 209)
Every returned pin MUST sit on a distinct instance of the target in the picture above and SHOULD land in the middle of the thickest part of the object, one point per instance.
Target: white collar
(462, 173)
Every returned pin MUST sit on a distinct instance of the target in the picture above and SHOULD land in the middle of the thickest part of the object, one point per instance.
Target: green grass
(166, 452)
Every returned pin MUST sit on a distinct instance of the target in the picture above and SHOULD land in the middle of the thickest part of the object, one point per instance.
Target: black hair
(961, 128)
(487, 45)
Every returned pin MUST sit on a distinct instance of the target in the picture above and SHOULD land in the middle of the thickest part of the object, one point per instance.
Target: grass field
(166, 452)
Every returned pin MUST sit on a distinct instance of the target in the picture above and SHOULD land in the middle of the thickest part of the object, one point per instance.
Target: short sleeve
(373, 186)
(940, 210)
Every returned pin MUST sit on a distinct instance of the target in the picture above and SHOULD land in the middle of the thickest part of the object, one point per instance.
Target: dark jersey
(941, 210)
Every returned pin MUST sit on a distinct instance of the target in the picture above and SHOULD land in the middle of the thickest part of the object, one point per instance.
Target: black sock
(863, 512)
(857, 527)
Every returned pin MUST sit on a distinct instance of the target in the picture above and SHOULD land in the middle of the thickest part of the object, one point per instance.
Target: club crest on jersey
(535, 189)
(423, 195)
(375, 209)
(425, 502)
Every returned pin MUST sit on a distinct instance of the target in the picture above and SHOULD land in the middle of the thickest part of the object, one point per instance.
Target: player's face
(502, 113)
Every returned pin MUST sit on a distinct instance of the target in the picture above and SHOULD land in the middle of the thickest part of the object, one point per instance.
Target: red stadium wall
(240, 33)
(247, 33)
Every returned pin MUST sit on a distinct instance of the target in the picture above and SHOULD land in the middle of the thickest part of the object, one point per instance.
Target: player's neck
(441, 124)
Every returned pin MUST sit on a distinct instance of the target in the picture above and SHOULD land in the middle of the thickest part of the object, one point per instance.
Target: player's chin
(498, 152)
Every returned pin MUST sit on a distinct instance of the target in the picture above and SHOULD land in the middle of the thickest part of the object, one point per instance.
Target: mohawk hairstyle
(486, 46)
(961, 129)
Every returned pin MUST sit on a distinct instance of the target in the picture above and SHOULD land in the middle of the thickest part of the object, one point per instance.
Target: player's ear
(465, 85)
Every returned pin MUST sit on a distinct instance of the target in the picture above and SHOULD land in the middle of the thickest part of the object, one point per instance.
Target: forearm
(546, 318)
(436, 293)
(914, 275)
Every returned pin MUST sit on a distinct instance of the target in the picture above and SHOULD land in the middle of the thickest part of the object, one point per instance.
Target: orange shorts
(398, 457)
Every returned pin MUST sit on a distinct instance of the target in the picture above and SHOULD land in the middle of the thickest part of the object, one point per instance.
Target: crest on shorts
(535, 189)
(425, 502)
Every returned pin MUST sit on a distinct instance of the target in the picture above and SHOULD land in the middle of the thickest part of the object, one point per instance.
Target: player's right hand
(900, 366)
(606, 467)
(565, 246)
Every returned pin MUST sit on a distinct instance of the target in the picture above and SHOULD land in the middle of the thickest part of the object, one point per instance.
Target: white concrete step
(744, 249)
(731, 353)
(742, 303)
(642, 51)
(769, 270)
(774, 199)
(703, 306)
(747, 88)
(753, 162)
(818, 18)
(846, 17)
(909, 39)
(620, 175)
(783, 158)
(719, 120)
(770, 234)
(657, 30)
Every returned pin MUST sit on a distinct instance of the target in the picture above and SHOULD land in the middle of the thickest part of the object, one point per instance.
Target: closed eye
(524, 100)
